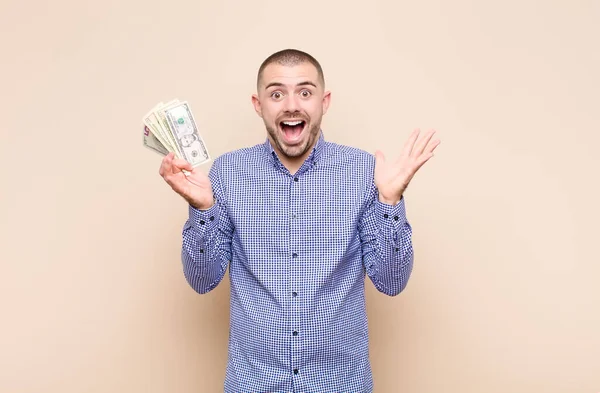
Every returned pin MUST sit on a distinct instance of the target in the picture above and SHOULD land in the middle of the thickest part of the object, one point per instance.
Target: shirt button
(396, 218)
(295, 371)
(295, 179)
(294, 255)
(385, 216)
(295, 333)
(294, 294)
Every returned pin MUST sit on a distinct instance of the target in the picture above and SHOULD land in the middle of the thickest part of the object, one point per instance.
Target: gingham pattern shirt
(299, 247)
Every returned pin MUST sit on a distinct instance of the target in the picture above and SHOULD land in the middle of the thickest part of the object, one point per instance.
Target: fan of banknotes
(170, 127)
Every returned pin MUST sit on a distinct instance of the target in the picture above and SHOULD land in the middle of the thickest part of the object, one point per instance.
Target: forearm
(205, 249)
(387, 246)
(393, 267)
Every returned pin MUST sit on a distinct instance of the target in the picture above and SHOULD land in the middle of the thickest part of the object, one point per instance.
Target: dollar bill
(151, 121)
(152, 142)
(171, 127)
(158, 117)
(181, 122)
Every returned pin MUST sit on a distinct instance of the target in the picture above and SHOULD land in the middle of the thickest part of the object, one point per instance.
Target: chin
(293, 137)
(294, 151)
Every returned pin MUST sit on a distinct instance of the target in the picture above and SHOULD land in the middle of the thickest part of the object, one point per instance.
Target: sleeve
(206, 248)
(386, 239)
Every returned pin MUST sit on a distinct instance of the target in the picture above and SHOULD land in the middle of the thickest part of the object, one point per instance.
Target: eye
(305, 93)
(276, 95)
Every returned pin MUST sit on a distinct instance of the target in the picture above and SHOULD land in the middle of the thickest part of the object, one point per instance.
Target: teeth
(291, 123)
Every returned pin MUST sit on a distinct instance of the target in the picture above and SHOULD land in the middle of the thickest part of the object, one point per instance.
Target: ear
(326, 100)
(257, 106)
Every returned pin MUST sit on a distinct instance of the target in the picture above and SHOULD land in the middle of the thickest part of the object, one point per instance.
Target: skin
(291, 93)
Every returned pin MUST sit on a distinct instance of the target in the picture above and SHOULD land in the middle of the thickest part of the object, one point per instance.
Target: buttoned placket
(295, 265)
(296, 268)
(296, 295)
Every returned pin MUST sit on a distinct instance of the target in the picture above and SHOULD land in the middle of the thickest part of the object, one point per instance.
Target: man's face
(187, 140)
(291, 101)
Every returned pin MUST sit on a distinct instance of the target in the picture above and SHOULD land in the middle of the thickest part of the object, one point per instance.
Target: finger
(169, 168)
(165, 167)
(418, 150)
(422, 160)
(379, 157)
(408, 146)
(180, 163)
(431, 147)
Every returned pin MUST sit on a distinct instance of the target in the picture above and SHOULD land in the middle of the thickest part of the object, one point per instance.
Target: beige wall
(504, 294)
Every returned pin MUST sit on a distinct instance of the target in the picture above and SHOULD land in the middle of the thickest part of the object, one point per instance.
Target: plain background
(504, 295)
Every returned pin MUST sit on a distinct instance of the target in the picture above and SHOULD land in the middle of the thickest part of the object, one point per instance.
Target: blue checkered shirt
(299, 247)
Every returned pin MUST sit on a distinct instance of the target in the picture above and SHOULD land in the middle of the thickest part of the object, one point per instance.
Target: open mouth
(292, 129)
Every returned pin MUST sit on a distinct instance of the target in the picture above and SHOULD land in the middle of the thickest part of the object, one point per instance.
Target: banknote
(158, 116)
(152, 142)
(171, 127)
(181, 122)
(153, 121)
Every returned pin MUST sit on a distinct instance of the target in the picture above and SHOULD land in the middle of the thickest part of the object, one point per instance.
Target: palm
(195, 187)
(392, 178)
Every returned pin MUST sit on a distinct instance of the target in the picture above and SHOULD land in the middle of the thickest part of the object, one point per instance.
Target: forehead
(290, 75)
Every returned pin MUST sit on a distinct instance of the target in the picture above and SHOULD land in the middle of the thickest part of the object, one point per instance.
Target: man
(300, 221)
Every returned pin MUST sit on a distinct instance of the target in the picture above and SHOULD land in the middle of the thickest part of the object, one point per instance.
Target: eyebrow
(305, 83)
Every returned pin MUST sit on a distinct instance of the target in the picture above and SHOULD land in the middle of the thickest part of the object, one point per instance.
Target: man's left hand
(392, 178)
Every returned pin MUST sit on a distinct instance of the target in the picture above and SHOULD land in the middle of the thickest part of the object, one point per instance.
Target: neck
(293, 163)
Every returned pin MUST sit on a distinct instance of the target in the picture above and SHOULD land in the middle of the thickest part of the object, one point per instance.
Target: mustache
(293, 115)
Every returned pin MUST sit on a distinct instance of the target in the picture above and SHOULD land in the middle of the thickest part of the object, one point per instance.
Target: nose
(291, 103)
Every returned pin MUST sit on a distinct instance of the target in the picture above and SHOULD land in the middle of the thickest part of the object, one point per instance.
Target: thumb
(379, 157)
(180, 163)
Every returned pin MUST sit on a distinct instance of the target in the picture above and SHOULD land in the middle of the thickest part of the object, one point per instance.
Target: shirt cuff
(203, 221)
(391, 218)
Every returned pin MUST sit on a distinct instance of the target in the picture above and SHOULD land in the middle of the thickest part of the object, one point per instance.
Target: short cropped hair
(290, 57)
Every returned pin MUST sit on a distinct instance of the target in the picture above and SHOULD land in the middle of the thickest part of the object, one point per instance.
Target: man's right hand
(195, 188)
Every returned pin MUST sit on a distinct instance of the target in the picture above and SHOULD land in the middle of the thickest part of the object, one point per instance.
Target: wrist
(205, 205)
(392, 201)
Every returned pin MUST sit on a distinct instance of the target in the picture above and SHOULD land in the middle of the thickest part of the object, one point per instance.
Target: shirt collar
(313, 158)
